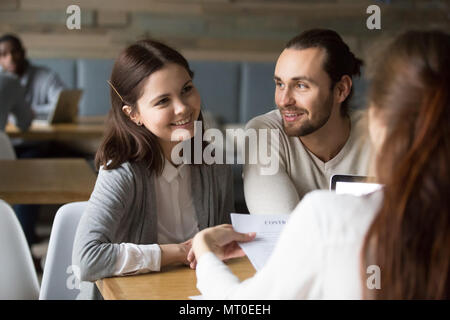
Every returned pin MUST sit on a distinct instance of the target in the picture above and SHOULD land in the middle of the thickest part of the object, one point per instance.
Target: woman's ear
(134, 116)
(127, 110)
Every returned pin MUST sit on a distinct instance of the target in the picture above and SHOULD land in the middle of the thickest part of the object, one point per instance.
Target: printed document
(267, 228)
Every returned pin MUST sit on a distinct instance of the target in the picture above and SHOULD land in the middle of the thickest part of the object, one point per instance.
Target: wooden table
(45, 181)
(173, 283)
(84, 128)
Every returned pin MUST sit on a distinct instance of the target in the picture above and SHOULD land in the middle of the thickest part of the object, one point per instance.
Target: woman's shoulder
(335, 199)
(124, 173)
(125, 167)
(338, 214)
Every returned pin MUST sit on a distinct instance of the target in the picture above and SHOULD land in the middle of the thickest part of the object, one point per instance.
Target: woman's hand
(175, 253)
(221, 240)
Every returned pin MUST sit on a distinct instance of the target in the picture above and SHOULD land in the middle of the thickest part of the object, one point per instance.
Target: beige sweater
(300, 171)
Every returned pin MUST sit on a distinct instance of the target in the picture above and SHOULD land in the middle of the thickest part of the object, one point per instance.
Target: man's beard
(308, 126)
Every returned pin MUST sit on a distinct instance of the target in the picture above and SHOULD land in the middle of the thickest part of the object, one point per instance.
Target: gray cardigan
(122, 208)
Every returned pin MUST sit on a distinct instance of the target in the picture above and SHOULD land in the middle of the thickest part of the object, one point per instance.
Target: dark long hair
(410, 237)
(124, 140)
(339, 59)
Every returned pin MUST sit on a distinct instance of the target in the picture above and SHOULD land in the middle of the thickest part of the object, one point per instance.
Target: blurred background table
(45, 181)
(84, 135)
(84, 128)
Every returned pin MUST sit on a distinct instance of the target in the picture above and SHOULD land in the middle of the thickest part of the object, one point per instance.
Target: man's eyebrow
(299, 78)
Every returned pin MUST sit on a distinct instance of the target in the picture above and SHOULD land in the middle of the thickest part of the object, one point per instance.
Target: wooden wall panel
(224, 29)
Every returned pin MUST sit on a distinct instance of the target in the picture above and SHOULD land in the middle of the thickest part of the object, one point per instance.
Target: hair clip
(109, 82)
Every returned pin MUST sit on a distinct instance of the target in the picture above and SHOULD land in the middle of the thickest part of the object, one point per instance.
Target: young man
(318, 136)
(42, 85)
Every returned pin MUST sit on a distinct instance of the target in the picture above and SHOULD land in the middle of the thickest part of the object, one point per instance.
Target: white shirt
(316, 257)
(177, 222)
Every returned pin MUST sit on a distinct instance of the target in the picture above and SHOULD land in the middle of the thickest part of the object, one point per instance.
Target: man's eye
(279, 85)
(302, 86)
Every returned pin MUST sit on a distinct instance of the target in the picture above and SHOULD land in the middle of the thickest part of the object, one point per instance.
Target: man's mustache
(293, 110)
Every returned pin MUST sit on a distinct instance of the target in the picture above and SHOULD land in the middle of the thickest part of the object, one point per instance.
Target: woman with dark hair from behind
(410, 237)
(332, 242)
(146, 206)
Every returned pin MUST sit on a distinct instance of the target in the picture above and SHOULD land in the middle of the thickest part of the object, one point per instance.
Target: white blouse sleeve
(135, 259)
(290, 273)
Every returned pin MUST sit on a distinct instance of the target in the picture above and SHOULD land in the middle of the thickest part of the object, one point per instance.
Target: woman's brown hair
(410, 237)
(124, 140)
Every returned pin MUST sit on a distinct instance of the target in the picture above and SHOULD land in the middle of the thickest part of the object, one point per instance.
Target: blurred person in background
(42, 86)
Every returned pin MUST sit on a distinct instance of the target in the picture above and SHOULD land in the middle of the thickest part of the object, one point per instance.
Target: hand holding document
(267, 228)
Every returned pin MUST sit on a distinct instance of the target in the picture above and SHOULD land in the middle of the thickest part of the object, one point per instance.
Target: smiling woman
(146, 109)
(144, 210)
(169, 101)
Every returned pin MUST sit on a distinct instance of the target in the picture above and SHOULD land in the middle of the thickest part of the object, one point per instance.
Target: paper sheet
(267, 228)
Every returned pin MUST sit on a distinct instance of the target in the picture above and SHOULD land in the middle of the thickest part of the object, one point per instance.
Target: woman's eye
(162, 102)
(186, 89)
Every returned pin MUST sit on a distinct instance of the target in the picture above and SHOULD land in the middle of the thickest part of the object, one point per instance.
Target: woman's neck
(167, 147)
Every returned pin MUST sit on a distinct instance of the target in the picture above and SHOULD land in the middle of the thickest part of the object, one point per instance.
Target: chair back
(60, 280)
(6, 149)
(18, 278)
